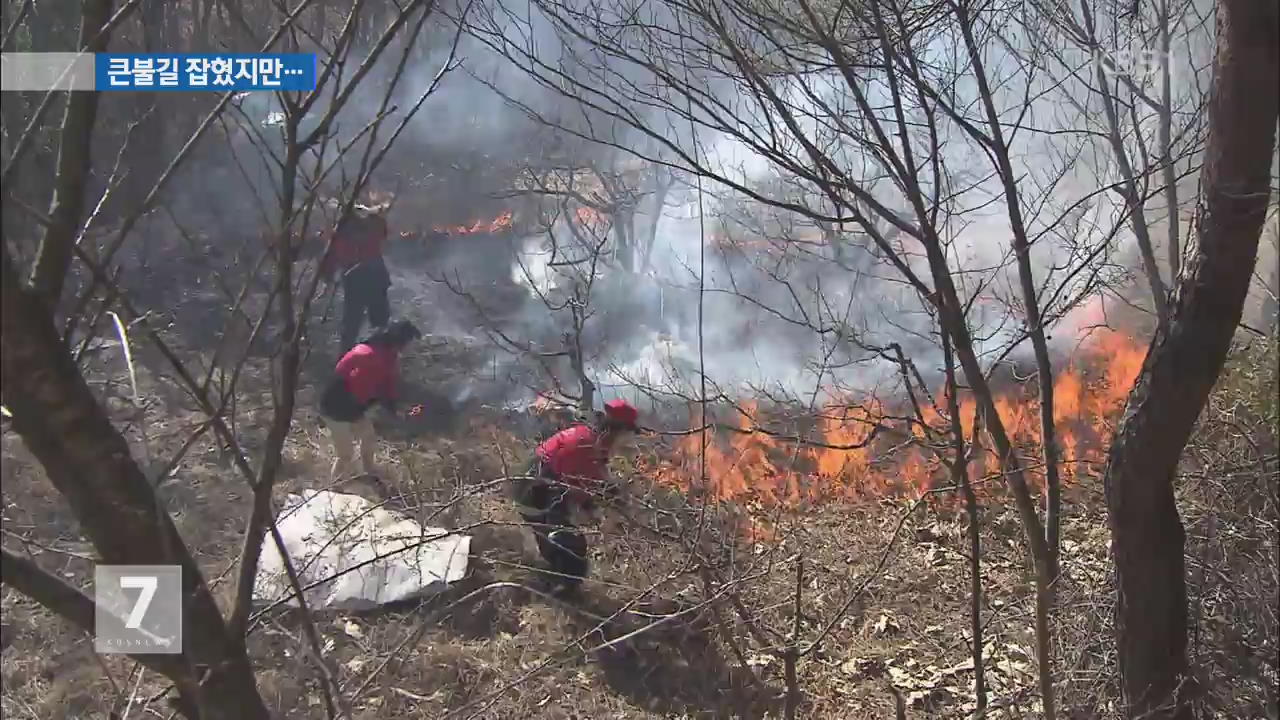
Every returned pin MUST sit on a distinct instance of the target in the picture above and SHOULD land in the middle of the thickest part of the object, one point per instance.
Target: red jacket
(576, 455)
(358, 240)
(370, 372)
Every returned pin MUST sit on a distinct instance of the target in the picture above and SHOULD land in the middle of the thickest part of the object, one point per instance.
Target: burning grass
(868, 447)
(500, 223)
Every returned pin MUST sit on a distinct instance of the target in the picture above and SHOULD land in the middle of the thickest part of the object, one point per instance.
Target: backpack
(337, 403)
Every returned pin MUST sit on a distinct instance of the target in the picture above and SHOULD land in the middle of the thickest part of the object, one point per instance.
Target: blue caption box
(225, 72)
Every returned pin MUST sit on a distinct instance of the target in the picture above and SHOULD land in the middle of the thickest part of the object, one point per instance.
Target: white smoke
(758, 309)
(532, 268)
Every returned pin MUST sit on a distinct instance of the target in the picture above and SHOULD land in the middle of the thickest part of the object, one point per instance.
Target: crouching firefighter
(366, 374)
(569, 469)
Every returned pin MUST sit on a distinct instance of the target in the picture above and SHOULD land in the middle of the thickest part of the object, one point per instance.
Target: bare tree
(69, 429)
(1183, 363)
(1136, 91)
(853, 103)
(573, 224)
(74, 164)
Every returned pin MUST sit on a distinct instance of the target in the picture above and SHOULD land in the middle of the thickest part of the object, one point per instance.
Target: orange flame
(497, 224)
(865, 448)
(543, 404)
(589, 217)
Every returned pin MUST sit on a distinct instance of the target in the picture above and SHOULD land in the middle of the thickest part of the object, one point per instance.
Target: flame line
(757, 430)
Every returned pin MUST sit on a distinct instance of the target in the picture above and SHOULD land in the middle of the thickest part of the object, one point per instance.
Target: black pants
(546, 510)
(364, 290)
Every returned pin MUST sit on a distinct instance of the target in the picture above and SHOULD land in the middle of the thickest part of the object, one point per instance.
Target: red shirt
(370, 372)
(576, 455)
(357, 241)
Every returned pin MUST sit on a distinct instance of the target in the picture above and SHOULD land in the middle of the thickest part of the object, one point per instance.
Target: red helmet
(621, 411)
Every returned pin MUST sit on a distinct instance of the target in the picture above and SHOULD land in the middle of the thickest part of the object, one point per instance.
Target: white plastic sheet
(356, 554)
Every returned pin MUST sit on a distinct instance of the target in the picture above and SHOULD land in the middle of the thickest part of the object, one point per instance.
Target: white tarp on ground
(358, 554)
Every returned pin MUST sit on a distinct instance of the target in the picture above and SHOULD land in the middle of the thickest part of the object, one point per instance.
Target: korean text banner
(222, 72)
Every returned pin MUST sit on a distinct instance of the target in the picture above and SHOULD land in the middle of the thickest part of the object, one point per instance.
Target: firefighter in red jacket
(568, 470)
(356, 253)
(365, 375)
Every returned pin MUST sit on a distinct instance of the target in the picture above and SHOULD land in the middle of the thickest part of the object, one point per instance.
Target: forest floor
(885, 582)
(494, 647)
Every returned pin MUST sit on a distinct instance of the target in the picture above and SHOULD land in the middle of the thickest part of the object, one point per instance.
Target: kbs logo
(138, 609)
(1142, 65)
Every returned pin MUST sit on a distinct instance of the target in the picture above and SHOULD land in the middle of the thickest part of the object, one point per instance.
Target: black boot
(568, 561)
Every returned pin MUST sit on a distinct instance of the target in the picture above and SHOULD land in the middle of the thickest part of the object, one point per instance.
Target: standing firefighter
(569, 468)
(356, 253)
(365, 375)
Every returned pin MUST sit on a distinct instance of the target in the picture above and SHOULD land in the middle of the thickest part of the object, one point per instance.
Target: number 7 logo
(147, 622)
(147, 584)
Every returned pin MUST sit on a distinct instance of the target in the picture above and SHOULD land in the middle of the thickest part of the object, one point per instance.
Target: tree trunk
(146, 155)
(90, 464)
(74, 163)
(1044, 549)
(960, 477)
(1183, 363)
(624, 248)
(586, 388)
(663, 182)
(1172, 248)
(1031, 309)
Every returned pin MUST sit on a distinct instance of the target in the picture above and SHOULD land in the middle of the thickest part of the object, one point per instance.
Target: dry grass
(494, 647)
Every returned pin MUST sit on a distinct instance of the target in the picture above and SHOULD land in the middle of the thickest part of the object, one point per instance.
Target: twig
(791, 655)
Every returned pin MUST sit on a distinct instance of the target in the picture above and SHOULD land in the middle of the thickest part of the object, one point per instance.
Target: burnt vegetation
(953, 330)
